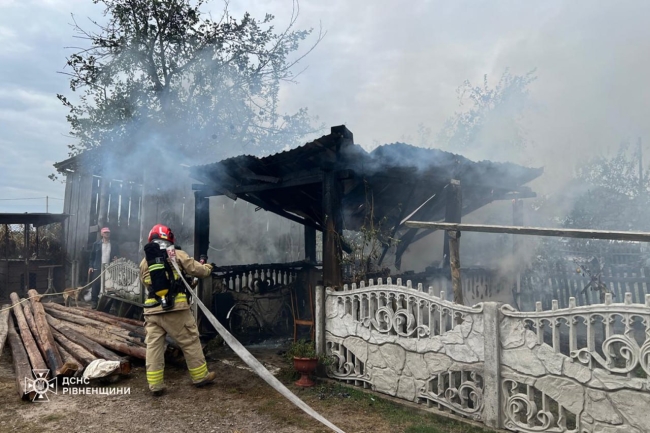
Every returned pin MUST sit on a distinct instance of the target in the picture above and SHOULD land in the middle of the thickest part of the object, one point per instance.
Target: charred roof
(401, 181)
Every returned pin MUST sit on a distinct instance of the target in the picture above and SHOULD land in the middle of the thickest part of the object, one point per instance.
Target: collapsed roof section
(398, 181)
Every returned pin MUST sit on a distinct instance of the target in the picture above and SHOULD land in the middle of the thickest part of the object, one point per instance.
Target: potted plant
(305, 361)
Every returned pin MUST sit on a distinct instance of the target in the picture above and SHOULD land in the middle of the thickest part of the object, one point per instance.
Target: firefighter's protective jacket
(189, 266)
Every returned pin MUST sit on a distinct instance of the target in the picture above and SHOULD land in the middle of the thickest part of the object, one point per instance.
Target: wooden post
(453, 209)
(26, 256)
(201, 224)
(310, 244)
(332, 231)
(454, 254)
(103, 204)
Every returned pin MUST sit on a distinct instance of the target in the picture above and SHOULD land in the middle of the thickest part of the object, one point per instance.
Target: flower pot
(305, 366)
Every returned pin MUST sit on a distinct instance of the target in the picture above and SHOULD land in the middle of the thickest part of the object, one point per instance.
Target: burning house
(330, 186)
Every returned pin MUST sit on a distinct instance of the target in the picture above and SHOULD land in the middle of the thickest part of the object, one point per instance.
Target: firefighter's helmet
(161, 232)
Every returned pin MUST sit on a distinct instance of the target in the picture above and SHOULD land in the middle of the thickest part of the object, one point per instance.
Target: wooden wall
(82, 200)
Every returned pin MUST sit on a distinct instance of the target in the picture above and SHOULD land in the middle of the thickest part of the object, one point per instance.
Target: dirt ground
(239, 402)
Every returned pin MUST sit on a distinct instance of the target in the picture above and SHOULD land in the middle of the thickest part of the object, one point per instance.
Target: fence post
(319, 312)
(492, 365)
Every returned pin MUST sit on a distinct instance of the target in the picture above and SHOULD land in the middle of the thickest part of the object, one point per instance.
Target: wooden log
(93, 347)
(46, 340)
(79, 352)
(29, 318)
(5, 315)
(22, 368)
(137, 339)
(97, 314)
(111, 341)
(87, 317)
(33, 352)
(70, 360)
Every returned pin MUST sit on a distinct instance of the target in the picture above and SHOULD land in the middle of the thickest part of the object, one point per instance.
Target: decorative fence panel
(581, 369)
(121, 278)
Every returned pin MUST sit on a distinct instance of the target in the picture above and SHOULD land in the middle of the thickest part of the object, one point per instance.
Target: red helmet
(163, 232)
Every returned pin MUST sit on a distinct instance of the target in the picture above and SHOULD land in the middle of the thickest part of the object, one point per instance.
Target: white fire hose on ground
(252, 362)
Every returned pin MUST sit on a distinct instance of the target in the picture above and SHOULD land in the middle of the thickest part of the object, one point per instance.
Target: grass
(400, 417)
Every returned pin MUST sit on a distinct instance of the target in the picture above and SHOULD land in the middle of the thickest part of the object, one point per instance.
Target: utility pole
(47, 204)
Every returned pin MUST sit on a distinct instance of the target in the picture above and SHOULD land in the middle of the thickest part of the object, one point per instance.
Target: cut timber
(70, 360)
(98, 314)
(79, 352)
(90, 314)
(22, 368)
(96, 349)
(35, 357)
(46, 340)
(135, 337)
(29, 318)
(5, 312)
(111, 341)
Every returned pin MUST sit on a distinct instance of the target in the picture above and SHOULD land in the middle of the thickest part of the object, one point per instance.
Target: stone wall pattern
(579, 369)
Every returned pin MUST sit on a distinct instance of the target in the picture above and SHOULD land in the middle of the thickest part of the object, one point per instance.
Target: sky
(382, 69)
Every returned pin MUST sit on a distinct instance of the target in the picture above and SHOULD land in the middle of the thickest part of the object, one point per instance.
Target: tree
(613, 194)
(161, 70)
(493, 121)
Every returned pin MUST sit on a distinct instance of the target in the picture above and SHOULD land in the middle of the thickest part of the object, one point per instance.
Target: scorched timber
(21, 364)
(45, 338)
(34, 354)
(95, 348)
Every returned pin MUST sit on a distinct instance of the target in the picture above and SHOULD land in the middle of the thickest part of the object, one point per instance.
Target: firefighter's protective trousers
(181, 326)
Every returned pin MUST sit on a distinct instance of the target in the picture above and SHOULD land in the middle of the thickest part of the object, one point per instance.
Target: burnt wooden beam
(201, 225)
(310, 244)
(398, 223)
(279, 211)
(454, 265)
(535, 231)
(283, 183)
(453, 211)
(333, 230)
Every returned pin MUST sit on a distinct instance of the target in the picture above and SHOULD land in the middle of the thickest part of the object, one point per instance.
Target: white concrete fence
(578, 369)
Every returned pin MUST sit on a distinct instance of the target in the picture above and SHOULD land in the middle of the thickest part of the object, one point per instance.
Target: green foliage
(367, 243)
(493, 120)
(614, 196)
(163, 66)
(301, 349)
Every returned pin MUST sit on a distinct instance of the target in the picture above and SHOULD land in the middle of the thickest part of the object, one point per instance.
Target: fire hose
(251, 361)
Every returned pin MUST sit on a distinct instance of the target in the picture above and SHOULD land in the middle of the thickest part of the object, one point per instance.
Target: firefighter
(167, 309)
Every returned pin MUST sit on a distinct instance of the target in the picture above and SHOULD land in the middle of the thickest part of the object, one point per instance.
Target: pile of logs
(64, 340)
